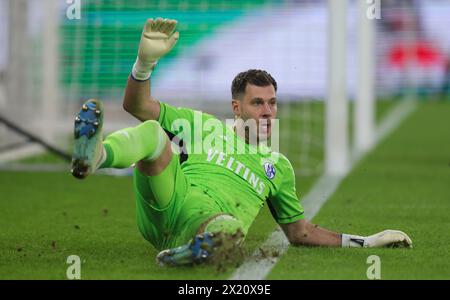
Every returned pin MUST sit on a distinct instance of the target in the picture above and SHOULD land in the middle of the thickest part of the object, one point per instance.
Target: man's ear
(236, 106)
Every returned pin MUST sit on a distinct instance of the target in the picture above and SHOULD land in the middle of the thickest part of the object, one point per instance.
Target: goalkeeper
(184, 202)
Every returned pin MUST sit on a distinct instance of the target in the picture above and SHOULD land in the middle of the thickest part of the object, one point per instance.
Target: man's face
(258, 103)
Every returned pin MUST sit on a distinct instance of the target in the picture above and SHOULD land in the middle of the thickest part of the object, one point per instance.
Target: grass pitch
(403, 184)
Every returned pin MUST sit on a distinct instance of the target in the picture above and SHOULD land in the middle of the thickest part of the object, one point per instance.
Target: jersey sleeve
(285, 205)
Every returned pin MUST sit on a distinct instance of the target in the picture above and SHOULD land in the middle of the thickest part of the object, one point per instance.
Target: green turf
(403, 184)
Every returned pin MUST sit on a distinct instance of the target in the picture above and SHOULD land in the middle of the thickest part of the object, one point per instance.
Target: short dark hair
(252, 76)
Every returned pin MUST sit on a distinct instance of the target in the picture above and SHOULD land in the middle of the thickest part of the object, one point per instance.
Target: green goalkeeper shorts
(179, 221)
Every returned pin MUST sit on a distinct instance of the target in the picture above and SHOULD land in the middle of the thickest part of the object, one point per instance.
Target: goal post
(336, 130)
(364, 110)
(339, 152)
(50, 59)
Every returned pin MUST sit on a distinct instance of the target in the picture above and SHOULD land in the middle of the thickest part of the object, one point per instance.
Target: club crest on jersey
(270, 170)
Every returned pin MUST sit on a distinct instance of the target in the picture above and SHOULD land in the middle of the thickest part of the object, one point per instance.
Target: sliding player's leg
(146, 144)
(121, 149)
(173, 213)
(219, 238)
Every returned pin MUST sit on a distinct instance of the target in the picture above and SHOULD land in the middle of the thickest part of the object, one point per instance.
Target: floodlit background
(396, 65)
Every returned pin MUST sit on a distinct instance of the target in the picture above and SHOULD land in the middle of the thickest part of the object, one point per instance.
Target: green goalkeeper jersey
(238, 176)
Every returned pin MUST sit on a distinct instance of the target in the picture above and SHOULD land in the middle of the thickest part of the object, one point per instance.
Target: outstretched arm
(303, 233)
(158, 38)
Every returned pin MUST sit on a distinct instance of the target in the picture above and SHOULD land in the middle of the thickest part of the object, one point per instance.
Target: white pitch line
(257, 267)
(395, 117)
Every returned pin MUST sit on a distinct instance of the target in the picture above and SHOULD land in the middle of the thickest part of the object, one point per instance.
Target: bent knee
(157, 166)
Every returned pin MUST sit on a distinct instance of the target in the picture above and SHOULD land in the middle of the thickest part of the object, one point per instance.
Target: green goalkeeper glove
(387, 238)
(158, 38)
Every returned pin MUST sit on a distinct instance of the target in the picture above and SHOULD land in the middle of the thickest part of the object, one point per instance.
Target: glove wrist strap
(353, 241)
(142, 70)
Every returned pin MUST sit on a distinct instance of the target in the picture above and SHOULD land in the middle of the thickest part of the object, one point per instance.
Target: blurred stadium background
(50, 63)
